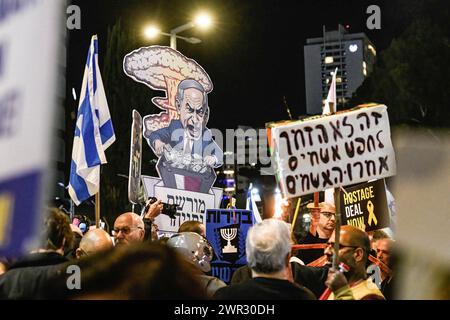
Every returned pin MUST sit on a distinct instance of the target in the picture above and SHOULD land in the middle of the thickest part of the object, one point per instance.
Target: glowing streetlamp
(202, 20)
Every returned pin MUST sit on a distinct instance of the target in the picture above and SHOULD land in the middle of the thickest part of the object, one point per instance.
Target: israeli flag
(251, 204)
(94, 131)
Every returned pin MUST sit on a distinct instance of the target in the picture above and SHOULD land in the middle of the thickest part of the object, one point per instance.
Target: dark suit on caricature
(173, 135)
(189, 136)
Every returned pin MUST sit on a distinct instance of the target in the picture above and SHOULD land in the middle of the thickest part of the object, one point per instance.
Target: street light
(203, 20)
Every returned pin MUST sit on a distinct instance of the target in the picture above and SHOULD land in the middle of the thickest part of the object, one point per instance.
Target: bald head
(354, 247)
(128, 228)
(94, 241)
(353, 236)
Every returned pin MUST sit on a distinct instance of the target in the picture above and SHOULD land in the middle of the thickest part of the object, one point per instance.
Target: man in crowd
(29, 277)
(323, 219)
(193, 226)
(268, 249)
(128, 228)
(384, 251)
(354, 247)
(94, 241)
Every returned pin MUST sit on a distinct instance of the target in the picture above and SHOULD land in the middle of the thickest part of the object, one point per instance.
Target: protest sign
(332, 151)
(30, 35)
(190, 205)
(226, 230)
(134, 175)
(365, 206)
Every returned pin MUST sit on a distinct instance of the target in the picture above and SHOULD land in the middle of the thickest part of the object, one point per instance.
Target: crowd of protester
(133, 263)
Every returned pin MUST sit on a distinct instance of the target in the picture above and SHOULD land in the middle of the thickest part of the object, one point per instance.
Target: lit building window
(364, 68)
(329, 60)
(338, 80)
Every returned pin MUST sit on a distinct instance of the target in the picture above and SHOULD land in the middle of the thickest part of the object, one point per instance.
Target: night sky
(253, 54)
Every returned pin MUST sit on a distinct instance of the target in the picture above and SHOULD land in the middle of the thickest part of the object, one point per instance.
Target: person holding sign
(323, 220)
(354, 247)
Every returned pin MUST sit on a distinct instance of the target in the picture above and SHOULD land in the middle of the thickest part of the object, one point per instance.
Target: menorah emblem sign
(229, 234)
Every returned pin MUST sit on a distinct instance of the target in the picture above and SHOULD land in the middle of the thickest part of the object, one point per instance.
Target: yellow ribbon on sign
(372, 216)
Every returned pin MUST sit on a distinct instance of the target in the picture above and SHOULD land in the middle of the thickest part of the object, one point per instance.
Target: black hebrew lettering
(362, 147)
(324, 156)
(370, 164)
(361, 168)
(349, 171)
(369, 139)
(285, 135)
(179, 201)
(313, 155)
(309, 130)
(383, 164)
(376, 116)
(315, 181)
(350, 149)
(196, 205)
(170, 197)
(196, 217)
(290, 184)
(380, 144)
(296, 133)
(293, 162)
(340, 173)
(323, 138)
(335, 152)
(212, 214)
(336, 130)
(248, 216)
(201, 204)
(326, 178)
(345, 124)
(361, 125)
(305, 180)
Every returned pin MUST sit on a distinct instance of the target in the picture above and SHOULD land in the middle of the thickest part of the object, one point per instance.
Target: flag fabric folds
(331, 98)
(94, 131)
(251, 205)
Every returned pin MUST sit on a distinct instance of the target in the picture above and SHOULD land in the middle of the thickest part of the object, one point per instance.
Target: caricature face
(192, 112)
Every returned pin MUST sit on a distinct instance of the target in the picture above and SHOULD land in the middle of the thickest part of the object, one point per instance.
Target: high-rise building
(352, 53)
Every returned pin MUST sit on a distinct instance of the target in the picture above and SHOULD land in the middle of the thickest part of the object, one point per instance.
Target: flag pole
(97, 208)
(337, 202)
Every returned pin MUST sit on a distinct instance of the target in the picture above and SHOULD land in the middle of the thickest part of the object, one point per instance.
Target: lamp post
(201, 20)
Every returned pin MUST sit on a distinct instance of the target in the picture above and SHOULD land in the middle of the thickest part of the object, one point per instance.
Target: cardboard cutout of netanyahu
(178, 135)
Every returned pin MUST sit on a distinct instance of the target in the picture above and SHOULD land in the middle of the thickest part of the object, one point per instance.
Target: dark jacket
(264, 289)
(29, 278)
(312, 278)
(202, 145)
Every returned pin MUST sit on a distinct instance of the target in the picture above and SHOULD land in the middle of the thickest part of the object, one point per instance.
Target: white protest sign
(333, 151)
(190, 205)
(31, 36)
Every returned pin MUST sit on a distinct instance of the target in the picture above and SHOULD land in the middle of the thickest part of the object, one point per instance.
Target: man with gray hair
(128, 228)
(268, 249)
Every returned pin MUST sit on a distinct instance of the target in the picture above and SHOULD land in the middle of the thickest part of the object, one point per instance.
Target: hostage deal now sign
(332, 151)
(365, 206)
